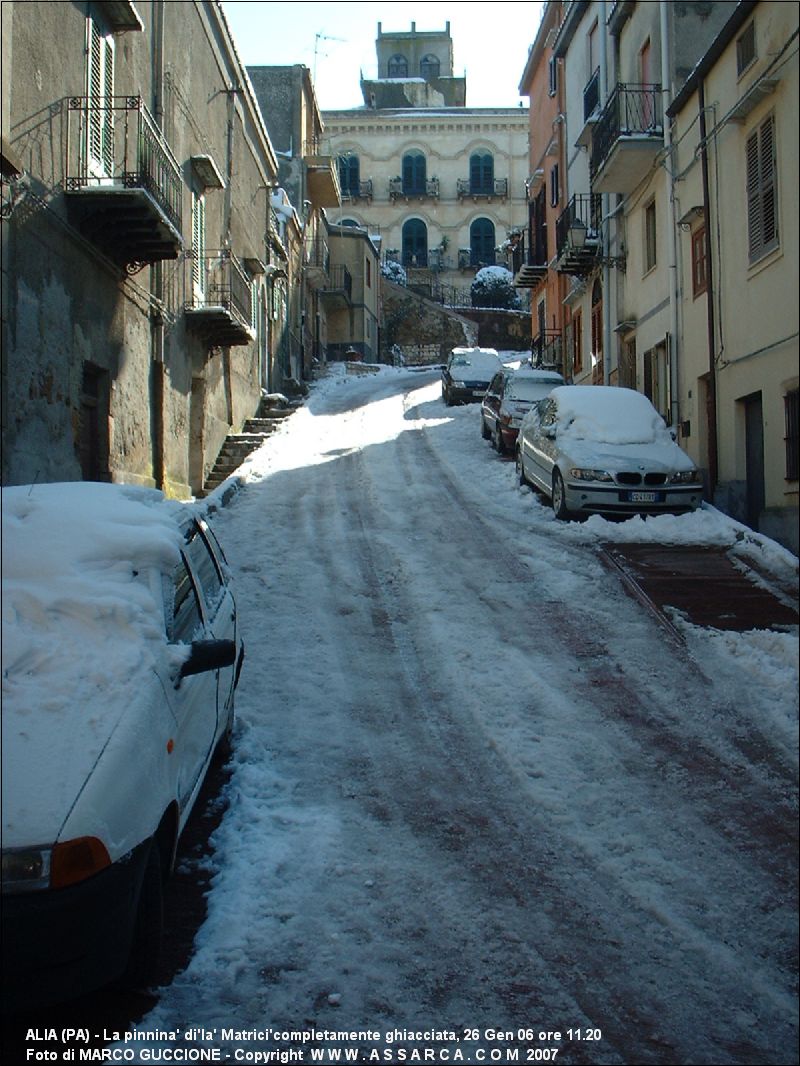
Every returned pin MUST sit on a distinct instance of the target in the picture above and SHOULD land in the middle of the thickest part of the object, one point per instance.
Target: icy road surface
(474, 788)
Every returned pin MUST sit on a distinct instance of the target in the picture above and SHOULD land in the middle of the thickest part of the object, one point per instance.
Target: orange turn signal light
(75, 860)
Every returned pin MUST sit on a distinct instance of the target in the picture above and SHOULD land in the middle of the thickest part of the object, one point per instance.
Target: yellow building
(735, 137)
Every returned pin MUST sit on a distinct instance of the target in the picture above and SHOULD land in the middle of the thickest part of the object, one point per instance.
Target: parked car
(595, 449)
(121, 658)
(510, 395)
(467, 373)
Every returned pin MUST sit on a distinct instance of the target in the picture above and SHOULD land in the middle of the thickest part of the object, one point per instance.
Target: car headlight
(581, 474)
(36, 868)
(458, 384)
(684, 477)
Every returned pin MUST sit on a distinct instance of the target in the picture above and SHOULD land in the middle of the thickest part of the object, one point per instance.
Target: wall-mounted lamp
(577, 234)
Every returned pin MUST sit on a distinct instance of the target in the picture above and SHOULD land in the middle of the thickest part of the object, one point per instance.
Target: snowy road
(476, 794)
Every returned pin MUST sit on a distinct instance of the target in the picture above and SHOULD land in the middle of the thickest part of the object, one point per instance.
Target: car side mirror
(207, 655)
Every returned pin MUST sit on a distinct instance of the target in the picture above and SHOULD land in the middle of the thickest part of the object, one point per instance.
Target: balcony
(317, 262)
(360, 190)
(322, 176)
(627, 139)
(402, 190)
(529, 269)
(122, 182)
(337, 290)
(581, 216)
(470, 259)
(496, 189)
(591, 110)
(220, 308)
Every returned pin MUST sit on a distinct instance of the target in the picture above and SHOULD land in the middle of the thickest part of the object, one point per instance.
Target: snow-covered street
(476, 796)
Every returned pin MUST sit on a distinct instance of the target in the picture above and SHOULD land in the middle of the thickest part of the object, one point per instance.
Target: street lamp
(577, 233)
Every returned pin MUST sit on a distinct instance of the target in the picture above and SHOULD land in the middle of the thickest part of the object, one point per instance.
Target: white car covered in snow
(120, 660)
(594, 449)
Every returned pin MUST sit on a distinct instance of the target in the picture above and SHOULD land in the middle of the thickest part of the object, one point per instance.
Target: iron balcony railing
(546, 349)
(584, 210)
(358, 190)
(470, 258)
(219, 280)
(112, 142)
(318, 255)
(400, 188)
(340, 280)
(630, 111)
(466, 187)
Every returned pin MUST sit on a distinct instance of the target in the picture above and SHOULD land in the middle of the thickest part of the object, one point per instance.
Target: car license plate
(644, 497)
(478, 392)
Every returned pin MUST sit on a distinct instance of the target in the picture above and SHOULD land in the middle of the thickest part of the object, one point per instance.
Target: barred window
(762, 190)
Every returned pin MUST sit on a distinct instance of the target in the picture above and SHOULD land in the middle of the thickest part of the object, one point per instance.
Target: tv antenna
(317, 38)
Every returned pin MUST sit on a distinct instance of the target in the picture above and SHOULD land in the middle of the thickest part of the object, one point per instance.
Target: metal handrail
(585, 208)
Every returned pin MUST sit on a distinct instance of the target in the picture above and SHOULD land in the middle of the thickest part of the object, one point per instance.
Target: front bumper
(469, 392)
(583, 498)
(64, 943)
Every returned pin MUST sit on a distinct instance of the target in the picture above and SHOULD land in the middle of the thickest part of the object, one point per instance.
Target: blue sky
(490, 42)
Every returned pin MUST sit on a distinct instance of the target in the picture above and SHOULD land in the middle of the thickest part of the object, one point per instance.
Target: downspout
(672, 221)
(606, 207)
(157, 332)
(711, 399)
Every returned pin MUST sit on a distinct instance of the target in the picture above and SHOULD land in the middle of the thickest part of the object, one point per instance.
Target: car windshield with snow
(467, 374)
(121, 657)
(595, 449)
(510, 395)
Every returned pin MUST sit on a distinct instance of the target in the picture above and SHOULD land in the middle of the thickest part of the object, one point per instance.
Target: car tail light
(75, 860)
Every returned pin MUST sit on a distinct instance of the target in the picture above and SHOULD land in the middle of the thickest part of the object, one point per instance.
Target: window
(746, 48)
(577, 342)
(552, 87)
(481, 173)
(413, 174)
(415, 243)
(650, 236)
(597, 334)
(349, 175)
(186, 619)
(199, 245)
(100, 92)
(554, 196)
(699, 262)
(762, 191)
(429, 66)
(368, 272)
(398, 67)
(204, 567)
(790, 402)
(93, 438)
(481, 243)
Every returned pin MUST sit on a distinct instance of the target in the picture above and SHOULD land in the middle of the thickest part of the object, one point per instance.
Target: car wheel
(520, 468)
(148, 928)
(497, 440)
(558, 497)
(448, 400)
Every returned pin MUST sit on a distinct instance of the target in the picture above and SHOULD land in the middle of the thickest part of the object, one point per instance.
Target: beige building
(438, 184)
(735, 132)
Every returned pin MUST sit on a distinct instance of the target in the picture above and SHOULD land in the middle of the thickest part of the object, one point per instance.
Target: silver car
(594, 449)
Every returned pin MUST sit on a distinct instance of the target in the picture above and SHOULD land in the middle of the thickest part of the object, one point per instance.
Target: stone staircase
(237, 446)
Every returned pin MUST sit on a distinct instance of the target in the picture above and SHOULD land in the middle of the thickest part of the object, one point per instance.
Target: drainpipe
(711, 399)
(672, 221)
(606, 207)
(157, 333)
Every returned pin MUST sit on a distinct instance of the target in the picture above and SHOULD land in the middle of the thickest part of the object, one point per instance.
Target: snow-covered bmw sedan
(120, 661)
(595, 449)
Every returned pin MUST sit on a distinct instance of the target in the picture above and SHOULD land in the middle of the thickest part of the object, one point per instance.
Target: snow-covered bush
(394, 272)
(494, 287)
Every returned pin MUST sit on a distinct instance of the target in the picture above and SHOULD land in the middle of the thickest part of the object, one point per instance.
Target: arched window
(481, 243)
(481, 174)
(413, 174)
(398, 67)
(429, 66)
(349, 175)
(415, 243)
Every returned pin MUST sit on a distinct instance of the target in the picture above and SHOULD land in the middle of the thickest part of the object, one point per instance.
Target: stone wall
(412, 322)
